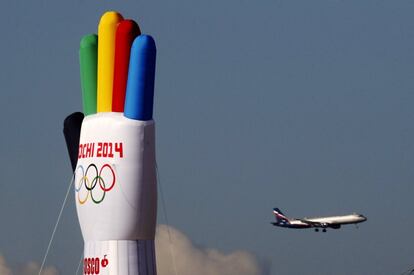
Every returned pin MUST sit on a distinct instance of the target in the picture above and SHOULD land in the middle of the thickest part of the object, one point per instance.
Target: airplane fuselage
(334, 222)
(345, 219)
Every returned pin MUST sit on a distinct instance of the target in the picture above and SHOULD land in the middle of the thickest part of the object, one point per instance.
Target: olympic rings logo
(91, 178)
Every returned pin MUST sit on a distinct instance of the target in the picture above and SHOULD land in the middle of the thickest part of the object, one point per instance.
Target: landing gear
(316, 230)
(324, 230)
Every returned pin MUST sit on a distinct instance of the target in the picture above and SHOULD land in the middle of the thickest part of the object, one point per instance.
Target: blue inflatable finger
(139, 96)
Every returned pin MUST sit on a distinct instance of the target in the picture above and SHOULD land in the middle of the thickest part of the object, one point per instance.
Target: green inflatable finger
(88, 53)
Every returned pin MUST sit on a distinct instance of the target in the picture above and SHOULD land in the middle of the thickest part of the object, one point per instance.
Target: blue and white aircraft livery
(334, 222)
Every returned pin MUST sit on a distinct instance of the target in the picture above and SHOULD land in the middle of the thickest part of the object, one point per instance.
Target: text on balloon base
(101, 150)
(93, 265)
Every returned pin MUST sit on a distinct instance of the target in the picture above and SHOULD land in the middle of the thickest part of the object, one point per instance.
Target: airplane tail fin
(280, 217)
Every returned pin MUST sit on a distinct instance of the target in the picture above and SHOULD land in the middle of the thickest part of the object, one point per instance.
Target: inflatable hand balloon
(112, 149)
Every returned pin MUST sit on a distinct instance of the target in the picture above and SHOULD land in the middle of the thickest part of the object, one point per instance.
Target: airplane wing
(313, 224)
(321, 224)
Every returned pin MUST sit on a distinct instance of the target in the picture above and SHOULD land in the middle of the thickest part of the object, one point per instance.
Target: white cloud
(30, 268)
(4, 269)
(190, 260)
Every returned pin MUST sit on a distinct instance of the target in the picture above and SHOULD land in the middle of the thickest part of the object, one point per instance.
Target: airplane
(334, 222)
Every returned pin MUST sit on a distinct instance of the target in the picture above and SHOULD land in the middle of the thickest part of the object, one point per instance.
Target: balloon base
(119, 257)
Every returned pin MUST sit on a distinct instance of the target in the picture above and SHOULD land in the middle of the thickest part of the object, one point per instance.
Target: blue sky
(303, 105)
